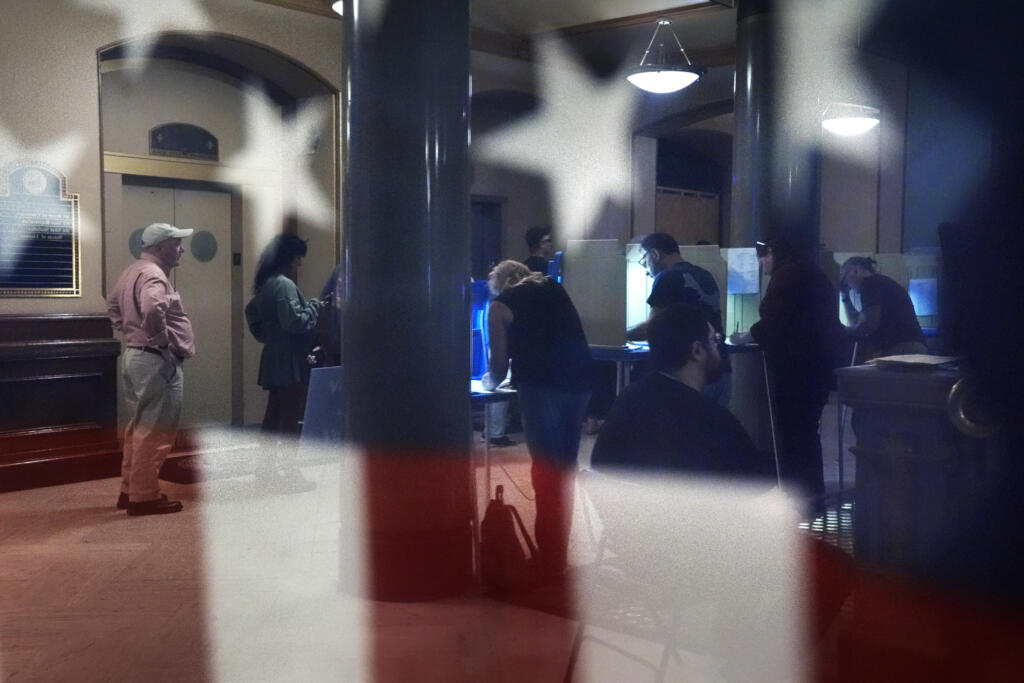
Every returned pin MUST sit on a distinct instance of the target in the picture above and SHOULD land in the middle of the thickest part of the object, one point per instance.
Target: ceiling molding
(521, 47)
(719, 55)
(645, 18)
(673, 123)
(318, 7)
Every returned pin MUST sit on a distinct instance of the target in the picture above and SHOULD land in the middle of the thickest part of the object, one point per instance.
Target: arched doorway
(226, 137)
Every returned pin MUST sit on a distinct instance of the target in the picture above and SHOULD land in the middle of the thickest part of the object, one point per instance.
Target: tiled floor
(251, 584)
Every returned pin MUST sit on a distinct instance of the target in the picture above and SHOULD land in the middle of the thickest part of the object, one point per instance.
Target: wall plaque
(40, 251)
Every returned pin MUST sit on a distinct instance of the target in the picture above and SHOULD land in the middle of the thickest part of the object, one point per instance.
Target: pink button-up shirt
(145, 307)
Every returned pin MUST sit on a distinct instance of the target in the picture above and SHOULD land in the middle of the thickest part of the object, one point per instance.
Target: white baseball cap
(158, 232)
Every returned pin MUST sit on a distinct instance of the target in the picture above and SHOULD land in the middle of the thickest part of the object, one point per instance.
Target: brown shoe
(160, 506)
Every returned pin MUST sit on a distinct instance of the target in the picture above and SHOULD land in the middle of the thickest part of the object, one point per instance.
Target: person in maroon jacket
(803, 343)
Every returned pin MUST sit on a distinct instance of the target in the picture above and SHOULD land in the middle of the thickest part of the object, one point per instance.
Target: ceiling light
(338, 6)
(661, 70)
(843, 118)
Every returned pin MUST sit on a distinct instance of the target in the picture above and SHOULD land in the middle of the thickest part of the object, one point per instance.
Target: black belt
(154, 350)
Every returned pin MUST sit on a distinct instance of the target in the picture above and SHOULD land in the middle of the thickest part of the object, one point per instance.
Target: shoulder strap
(522, 528)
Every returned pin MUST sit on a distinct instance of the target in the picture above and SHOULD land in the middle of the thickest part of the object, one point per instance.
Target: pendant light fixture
(661, 70)
(338, 6)
(846, 119)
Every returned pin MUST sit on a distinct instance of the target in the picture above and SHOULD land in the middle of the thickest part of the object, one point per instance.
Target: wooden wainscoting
(58, 399)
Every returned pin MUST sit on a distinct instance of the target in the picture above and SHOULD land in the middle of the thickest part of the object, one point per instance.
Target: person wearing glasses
(664, 421)
(677, 281)
(803, 343)
(541, 246)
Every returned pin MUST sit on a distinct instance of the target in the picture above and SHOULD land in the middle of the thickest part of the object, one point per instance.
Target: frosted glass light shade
(663, 81)
(849, 119)
(850, 125)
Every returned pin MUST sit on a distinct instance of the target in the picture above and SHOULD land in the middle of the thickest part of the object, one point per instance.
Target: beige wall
(49, 89)
(526, 205)
(178, 92)
(169, 92)
(862, 176)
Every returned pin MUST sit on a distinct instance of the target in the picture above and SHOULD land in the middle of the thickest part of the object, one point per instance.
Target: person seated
(664, 422)
(886, 324)
(677, 281)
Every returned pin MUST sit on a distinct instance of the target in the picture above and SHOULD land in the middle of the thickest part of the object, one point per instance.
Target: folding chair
(688, 565)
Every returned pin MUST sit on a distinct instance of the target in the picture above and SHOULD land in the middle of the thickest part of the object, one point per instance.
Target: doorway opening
(487, 225)
(180, 145)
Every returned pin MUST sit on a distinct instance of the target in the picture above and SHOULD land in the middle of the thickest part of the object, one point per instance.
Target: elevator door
(203, 279)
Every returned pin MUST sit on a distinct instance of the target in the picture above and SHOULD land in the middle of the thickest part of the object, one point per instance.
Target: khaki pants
(153, 391)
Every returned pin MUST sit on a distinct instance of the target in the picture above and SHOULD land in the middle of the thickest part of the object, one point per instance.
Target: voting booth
(594, 275)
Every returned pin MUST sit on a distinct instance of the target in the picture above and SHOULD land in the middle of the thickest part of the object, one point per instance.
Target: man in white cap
(158, 337)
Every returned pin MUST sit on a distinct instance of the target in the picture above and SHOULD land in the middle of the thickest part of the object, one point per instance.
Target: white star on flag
(280, 149)
(580, 138)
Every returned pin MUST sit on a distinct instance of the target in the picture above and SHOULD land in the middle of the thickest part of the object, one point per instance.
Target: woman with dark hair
(285, 322)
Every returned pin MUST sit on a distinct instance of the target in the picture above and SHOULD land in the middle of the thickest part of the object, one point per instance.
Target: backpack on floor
(503, 562)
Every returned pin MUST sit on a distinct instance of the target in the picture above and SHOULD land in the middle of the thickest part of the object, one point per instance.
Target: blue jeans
(552, 422)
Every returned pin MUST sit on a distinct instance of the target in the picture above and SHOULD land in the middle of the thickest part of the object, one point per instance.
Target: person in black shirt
(886, 324)
(677, 281)
(664, 422)
(533, 323)
(540, 244)
(803, 342)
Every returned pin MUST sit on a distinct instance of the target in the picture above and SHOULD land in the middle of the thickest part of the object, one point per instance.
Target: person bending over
(886, 324)
(533, 323)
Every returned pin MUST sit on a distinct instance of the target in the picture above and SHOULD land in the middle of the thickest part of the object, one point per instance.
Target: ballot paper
(914, 360)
